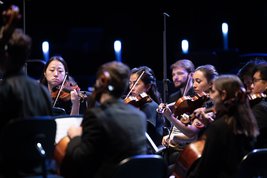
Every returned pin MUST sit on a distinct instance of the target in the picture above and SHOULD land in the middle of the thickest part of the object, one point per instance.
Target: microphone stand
(165, 80)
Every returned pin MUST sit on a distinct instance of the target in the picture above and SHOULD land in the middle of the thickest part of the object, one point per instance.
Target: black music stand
(26, 145)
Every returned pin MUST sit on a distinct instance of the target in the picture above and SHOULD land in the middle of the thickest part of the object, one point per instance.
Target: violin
(65, 92)
(186, 119)
(256, 98)
(187, 104)
(139, 100)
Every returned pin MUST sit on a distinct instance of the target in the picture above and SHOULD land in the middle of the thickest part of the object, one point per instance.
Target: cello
(61, 146)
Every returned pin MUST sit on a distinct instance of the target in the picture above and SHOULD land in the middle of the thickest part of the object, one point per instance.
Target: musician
(183, 134)
(245, 73)
(231, 135)
(259, 108)
(203, 77)
(110, 131)
(147, 84)
(182, 80)
(181, 75)
(54, 73)
(20, 95)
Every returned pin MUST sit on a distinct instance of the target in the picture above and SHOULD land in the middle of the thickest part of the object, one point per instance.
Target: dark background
(83, 32)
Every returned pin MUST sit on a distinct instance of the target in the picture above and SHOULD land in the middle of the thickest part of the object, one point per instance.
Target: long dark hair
(148, 78)
(236, 105)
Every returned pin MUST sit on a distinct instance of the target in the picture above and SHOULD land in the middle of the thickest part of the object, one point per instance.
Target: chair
(142, 166)
(27, 146)
(254, 164)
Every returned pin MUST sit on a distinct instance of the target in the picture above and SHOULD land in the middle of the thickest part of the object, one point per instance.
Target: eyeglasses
(255, 80)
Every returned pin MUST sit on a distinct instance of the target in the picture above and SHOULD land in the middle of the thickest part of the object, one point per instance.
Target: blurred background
(151, 32)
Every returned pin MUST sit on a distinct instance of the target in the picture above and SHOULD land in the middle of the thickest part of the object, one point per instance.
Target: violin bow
(61, 87)
(186, 89)
(135, 84)
(188, 84)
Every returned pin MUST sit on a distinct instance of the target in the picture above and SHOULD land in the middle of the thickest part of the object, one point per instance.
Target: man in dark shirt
(181, 77)
(20, 96)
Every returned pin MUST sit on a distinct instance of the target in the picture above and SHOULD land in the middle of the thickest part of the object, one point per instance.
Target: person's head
(147, 83)
(226, 88)
(112, 78)
(230, 98)
(259, 82)
(180, 71)
(54, 71)
(203, 77)
(16, 52)
(245, 73)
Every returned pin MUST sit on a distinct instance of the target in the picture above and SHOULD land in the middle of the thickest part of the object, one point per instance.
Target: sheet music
(63, 124)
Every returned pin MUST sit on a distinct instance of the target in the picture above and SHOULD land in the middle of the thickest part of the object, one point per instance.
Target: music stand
(26, 144)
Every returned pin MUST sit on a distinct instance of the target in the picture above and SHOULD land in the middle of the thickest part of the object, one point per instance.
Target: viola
(139, 100)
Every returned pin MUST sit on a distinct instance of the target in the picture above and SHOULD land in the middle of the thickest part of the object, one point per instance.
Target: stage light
(117, 50)
(45, 49)
(185, 46)
(225, 35)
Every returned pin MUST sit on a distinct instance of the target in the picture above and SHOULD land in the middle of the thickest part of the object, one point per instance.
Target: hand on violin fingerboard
(165, 110)
(204, 115)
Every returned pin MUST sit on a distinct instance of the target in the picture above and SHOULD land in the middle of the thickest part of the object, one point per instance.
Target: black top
(260, 113)
(21, 96)
(178, 94)
(155, 120)
(222, 152)
(111, 132)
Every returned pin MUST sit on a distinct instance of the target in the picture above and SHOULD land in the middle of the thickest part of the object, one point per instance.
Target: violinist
(147, 84)
(110, 131)
(182, 81)
(245, 73)
(259, 108)
(232, 133)
(181, 75)
(183, 133)
(64, 90)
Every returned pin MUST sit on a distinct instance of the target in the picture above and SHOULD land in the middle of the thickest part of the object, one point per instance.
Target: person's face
(179, 77)
(200, 83)
(140, 86)
(55, 73)
(258, 85)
